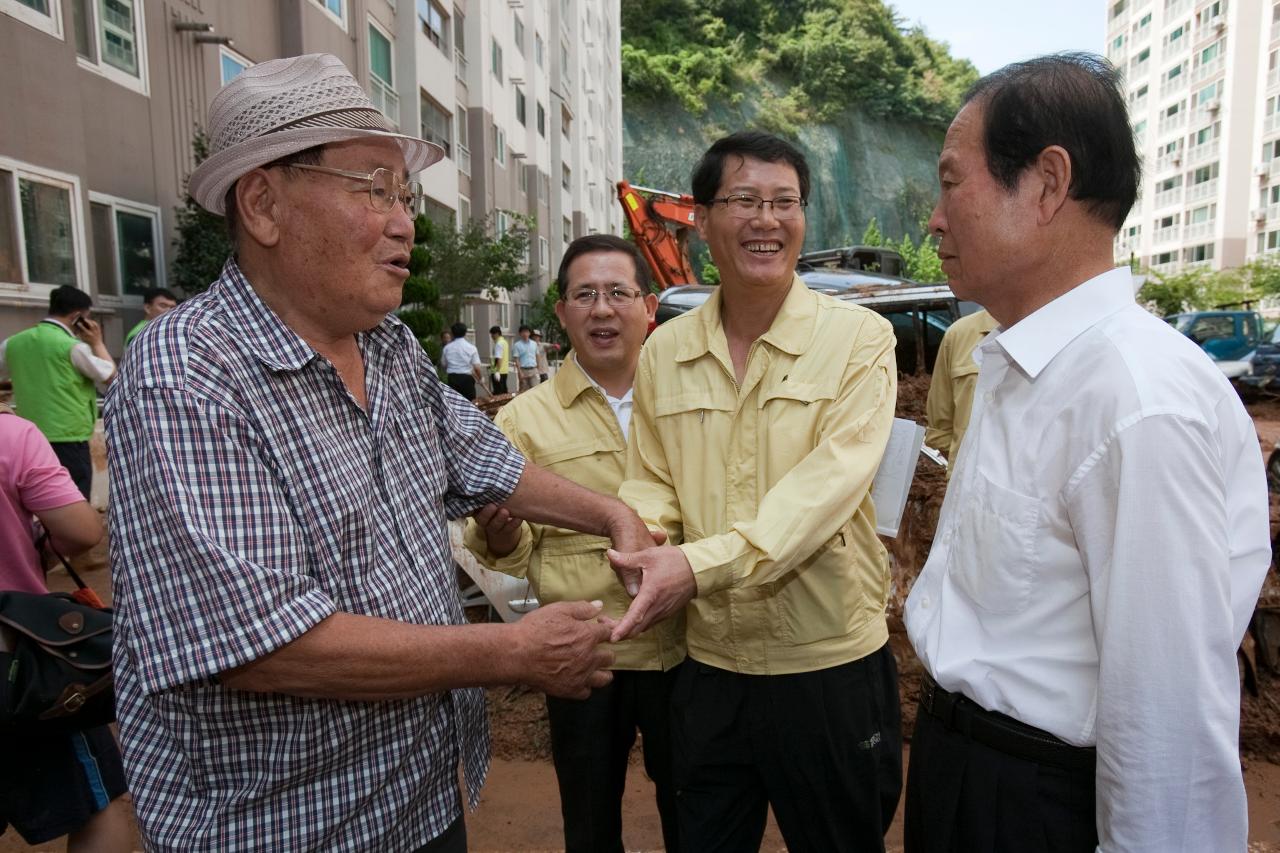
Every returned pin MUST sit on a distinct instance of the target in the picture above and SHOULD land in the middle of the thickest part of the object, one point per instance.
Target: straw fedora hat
(284, 106)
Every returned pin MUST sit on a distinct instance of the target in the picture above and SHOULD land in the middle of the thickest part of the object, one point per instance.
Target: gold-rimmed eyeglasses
(746, 205)
(614, 297)
(384, 188)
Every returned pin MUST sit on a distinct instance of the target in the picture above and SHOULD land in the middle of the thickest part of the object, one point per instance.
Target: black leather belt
(1005, 734)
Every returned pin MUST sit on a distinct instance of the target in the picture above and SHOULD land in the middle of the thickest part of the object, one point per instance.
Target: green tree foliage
(920, 260)
(1203, 289)
(544, 319)
(202, 245)
(827, 55)
(448, 264)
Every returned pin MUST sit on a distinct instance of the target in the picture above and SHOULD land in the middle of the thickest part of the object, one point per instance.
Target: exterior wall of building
(111, 151)
(1195, 73)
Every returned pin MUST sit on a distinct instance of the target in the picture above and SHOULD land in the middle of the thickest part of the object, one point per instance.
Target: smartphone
(80, 323)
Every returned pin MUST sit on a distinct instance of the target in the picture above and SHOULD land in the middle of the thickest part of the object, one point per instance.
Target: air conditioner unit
(1259, 214)
(1176, 159)
(1219, 25)
(1213, 106)
(1261, 171)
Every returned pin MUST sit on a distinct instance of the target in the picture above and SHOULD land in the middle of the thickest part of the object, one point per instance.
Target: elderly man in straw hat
(293, 668)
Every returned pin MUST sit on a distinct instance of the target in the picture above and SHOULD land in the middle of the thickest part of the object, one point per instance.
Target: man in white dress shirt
(1104, 537)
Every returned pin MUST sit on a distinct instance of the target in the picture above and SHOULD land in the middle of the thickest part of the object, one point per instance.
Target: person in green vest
(57, 368)
(155, 301)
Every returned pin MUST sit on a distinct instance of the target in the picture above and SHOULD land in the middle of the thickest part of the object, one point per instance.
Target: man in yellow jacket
(760, 420)
(955, 375)
(577, 425)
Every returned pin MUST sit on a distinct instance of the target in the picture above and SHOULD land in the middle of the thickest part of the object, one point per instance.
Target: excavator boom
(660, 223)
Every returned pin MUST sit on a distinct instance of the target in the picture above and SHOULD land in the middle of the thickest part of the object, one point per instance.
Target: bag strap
(85, 595)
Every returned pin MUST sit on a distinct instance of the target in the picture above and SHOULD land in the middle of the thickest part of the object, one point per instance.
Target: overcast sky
(992, 33)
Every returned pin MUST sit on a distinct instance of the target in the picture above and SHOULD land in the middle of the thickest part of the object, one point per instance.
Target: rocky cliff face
(862, 168)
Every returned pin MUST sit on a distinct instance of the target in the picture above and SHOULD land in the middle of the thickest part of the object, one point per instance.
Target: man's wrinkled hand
(629, 534)
(560, 649)
(501, 529)
(666, 585)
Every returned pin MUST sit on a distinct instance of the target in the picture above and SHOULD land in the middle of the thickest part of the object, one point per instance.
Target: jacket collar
(570, 381)
(790, 332)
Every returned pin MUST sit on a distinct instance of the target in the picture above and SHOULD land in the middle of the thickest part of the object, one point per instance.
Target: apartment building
(1191, 78)
(102, 99)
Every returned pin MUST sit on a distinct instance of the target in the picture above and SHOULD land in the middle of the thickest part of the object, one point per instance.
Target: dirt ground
(520, 811)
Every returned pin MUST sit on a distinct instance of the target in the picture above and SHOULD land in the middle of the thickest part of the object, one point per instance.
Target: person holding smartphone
(57, 368)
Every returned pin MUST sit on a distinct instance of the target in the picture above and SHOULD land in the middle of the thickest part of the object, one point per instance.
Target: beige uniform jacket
(955, 375)
(566, 426)
(765, 487)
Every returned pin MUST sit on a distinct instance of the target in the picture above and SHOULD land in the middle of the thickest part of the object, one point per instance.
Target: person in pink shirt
(61, 784)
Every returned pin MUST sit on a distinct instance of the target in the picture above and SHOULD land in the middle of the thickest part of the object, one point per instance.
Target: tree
(543, 317)
(202, 243)
(448, 264)
(920, 261)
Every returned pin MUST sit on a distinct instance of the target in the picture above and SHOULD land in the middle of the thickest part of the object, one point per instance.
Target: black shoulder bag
(55, 661)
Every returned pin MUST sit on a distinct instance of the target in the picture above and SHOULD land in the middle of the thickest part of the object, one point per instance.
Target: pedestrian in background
(462, 365)
(155, 301)
(58, 367)
(544, 368)
(499, 360)
(525, 350)
(52, 785)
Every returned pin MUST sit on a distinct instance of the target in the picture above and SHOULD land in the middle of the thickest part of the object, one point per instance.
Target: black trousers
(499, 382)
(823, 748)
(464, 384)
(452, 840)
(590, 742)
(966, 797)
(75, 457)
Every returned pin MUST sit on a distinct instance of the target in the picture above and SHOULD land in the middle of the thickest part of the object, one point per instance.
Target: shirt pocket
(573, 567)
(834, 593)
(993, 557)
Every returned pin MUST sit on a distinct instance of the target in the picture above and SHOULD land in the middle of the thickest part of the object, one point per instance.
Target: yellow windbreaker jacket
(567, 427)
(766, 487)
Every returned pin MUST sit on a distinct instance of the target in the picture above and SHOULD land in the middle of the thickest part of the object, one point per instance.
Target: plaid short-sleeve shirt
(251, 498)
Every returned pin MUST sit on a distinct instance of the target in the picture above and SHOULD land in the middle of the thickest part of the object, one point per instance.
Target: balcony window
(566, 176)
(39, 222)
(381, 80)
(518, 33)
(521, 109)
(230, 64)
(109, 40)
(437, 124)
(539, 50)
(44, 15)
(495, 58)
(542, 121)
(434, 23)
(126, 245)
(335, 9)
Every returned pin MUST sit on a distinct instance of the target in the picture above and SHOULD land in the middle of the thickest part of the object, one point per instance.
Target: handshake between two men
(570, 636)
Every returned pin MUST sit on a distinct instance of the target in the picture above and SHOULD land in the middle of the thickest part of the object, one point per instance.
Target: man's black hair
(1069, 99)
(709, 172)
(458, 330)
(602, 243)
(524, 329)
(151, 294)
(308, 156)
(66, 300)
(495, 330)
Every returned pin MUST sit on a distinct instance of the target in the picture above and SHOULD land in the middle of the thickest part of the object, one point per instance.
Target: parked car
(920, 313)
(1224, 335)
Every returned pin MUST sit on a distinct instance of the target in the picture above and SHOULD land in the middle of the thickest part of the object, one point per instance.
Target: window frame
(340, 20)
(39, 291)
(50, 24)
(225, 52)
(136, 208)
(441, 39)
(424, 102)
(140, 84)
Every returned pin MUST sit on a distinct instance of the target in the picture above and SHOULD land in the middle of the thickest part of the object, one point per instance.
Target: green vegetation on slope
(810, 59)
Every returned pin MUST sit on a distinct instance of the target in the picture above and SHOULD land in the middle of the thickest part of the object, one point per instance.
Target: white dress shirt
(1100, 550)
(621, 405)
(459, 355)
(97, 370)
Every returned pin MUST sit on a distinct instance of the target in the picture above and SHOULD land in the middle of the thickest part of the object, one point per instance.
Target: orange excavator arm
(660, 224)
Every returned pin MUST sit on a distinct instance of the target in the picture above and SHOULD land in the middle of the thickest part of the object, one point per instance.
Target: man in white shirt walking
(1104, 536)
(462, 365)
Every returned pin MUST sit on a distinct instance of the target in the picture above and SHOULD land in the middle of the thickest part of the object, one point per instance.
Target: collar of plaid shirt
(251, 498)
